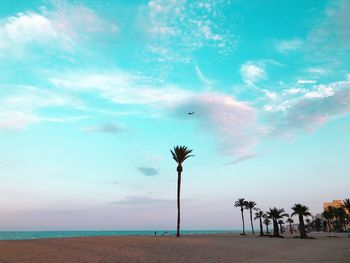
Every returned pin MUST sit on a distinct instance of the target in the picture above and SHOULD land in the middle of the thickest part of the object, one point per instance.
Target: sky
(94, 94)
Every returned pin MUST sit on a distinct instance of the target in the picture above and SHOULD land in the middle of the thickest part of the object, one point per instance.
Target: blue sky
(94, 94)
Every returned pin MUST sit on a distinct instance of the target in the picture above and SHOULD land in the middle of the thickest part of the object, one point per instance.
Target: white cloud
(320, 92)
(270, 94)
(185, 26)
(61, 28)
(311, 109)
(23, 30)
(122, 88)
(19, 110)
(294, 91)
(16, 120)
(318, 71)
(206, 81)
(288, 45)
(252, 72)
(111, 128)
(306, 81)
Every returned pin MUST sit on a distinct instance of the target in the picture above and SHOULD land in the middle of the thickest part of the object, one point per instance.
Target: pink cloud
(233, 123)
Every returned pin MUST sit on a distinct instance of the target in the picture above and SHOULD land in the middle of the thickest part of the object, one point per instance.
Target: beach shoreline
(196, 248)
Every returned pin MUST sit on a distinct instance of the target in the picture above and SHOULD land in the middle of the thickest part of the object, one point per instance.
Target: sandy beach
(200, 248)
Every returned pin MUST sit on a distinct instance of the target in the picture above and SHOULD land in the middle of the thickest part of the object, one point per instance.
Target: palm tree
(267, 222)
(346, 206)
(242, 204)
(180, 154)
(308, 222)
(301, 211)
(290, 221)
(250, 205)
(281, 223)
(275, 214)
(258, 215)
(328, 214)
(340, 214)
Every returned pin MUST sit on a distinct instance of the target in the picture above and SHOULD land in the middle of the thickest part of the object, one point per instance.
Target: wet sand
(200, 248)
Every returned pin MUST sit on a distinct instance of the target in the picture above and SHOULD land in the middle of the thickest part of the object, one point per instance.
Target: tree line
(336, 219)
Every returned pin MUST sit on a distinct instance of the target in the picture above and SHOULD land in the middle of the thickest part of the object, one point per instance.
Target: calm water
(21, 235)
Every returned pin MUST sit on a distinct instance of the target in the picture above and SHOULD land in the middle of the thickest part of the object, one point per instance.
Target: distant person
(155, 233)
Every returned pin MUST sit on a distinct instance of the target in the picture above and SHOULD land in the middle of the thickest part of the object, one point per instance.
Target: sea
(26, 235)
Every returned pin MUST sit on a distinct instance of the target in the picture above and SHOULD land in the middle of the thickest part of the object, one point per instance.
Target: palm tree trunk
(302, 227)
(261, 227)
(243, 221)
(178, 201)
(267, 229)
(276, 232)
(251, 221)
(290, 228)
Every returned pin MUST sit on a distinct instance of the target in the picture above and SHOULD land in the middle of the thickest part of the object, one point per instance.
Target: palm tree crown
(250, 204)
(241, 203)
(275, 214)
(299, 209)
(290, 220)
(259, 214)
(180, 154)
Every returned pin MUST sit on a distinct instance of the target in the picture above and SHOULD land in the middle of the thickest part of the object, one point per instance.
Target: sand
(201, 248)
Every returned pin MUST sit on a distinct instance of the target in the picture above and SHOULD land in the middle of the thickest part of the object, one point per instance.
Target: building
(334, 203)
(337, 204)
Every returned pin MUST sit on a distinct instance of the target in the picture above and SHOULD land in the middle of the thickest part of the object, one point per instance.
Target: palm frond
(181, 153)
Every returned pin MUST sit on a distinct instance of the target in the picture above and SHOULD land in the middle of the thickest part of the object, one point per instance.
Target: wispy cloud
(318, 71)
(148, 171)
(144, 201)
(122, 88)
(312, 109)
(285, 46)
(306, 81)
(329, 39)
(252, 72)
(187, 25)
(205, 80)
(243, 158)
(20, 109)
(111, 128)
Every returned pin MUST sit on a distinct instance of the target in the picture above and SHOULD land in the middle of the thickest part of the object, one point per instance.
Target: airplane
(191, 113)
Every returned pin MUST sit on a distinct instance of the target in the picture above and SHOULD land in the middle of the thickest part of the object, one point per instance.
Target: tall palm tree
(290, 221)
(258, 215)
(275, 214)
(301, 211)
(281, 223)
(180, 154)
(346, 206)
(250, 205)
(242, 204)
(267, 222)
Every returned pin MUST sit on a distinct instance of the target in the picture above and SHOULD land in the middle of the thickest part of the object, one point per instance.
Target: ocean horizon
(27, 235)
